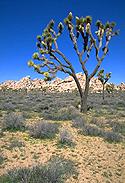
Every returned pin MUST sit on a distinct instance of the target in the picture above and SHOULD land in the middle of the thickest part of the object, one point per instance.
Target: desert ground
(45, 139)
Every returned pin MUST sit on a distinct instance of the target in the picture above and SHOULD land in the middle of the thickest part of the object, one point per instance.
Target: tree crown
(103, 77)
(49, 54)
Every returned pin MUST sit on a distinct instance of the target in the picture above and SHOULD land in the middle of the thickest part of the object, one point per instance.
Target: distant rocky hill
(68, 84)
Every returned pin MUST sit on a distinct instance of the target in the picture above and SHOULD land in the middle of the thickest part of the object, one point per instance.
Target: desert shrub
(8, 106)
(43, 129)
(57, 170)
(92, 130)
(15, 143)
(1, 159)
(28, 115)
(14, 121)
(112, 136)
(99, 122)
(0, 114)
(95, 121)
(1, 133)
(121, 113)
(65, 137)
(121, 104)
(105, 102)
(119, 127)
(76, 103)
(78, 122)
(65, 113)
(40, 107)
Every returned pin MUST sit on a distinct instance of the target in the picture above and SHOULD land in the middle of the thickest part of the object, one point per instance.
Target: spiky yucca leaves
(68, 19)
(107, 29)
(70, 16)
(83, 24)
(35, 56)
(110, 88)
(101, 30)
(103, 77)
(98, 23)
(45, 42)
(60, 27)
(39, 38)
(83, 27)
(30, 63)
(88, 19)
(50, 25)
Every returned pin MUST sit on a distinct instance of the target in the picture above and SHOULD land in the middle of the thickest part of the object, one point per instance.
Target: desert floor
(86, 148)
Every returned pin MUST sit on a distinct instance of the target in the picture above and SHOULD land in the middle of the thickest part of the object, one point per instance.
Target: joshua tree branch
(88, 54)
(83, 65)
(56, 45)
(99, 62)
(61, 64)
(65, 59)
(96, 47)
(74, 40)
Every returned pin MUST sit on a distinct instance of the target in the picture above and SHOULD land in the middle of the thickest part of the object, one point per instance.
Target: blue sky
(22, 20)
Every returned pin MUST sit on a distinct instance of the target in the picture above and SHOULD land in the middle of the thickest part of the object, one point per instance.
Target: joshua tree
(103, 78)
(53, 60)
(110, 88)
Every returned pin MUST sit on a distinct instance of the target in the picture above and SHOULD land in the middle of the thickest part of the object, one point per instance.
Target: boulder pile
(66, 85)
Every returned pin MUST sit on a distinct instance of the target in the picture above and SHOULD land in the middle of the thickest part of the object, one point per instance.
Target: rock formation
(68, 84)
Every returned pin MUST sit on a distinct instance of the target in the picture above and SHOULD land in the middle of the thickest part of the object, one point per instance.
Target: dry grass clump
(43, 129)
(57, 170)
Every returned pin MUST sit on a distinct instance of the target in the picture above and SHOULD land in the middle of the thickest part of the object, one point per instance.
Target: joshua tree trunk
(103, 92)
(84, 106)
(83, 94)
